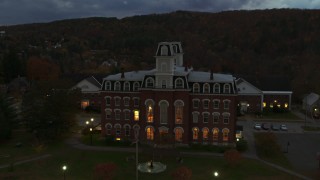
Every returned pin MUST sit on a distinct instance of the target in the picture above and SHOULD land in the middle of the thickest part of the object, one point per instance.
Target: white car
(257, 126)
(283, 127)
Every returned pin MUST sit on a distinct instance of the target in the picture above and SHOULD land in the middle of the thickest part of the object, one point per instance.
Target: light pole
(64, 168)
(91, 128)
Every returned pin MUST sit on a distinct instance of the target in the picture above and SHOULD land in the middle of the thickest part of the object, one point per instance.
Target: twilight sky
(31, 11)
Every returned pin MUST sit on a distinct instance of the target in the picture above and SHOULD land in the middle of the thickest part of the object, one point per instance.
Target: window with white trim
(206, 104)
(195, 117)
(136, 86)
(205, 116)
(117, 86)
(205, 133)
(149, 82)
(206, 88)
(108, 101)
(196, 88)
(163, 112)
(117, 101)
(196, 103)
(150, 133)
(108, 86)
(216, 88)
(126, 101)
(149, 110)
(178, 134)
(216, 118)
(216, 104)
(126, 86)
(179, 83)
(118, 129)
(127, 115)
(178, 111)
(226, 88)
(108, 114)
(117, 114)
(225, 134)
(226, 117)
(136, 102)
(195, 133)
(215, 134)
(226, 104)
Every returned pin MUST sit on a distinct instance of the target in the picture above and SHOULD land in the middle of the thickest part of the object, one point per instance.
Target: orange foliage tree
(42, 69)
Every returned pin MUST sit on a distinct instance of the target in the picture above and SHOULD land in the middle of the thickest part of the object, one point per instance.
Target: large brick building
(172, 99)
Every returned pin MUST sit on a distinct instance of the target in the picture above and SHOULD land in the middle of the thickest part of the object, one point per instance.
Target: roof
(311, 98)
(130, 76)
(200, 76)
(269, 83)
(93, 81)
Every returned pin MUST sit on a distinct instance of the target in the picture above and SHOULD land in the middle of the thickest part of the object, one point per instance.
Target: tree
(233, 157)
(42, 69)
(105, 171)
(8, 115)
(50, 112)
(182, 173)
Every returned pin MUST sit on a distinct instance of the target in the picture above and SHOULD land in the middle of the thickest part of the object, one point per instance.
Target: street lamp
(91, 128)
(64, 168)
(215, 174)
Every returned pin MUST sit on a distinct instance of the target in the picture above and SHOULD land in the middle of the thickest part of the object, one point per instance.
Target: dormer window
(108, 85)
(126, 86)
(149, 83)
(179, 83)
(206, 88)
(216, 88)
(196, 88)
(117, 86)
(136, 86)
(226, 89)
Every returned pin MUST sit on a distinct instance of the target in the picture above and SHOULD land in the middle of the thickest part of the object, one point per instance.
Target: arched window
(163, 111)
(117, 114)
(150, 132)
(225, 134)
(196, 88)
(206, 88)
(108, 114)
(164, 84)
(117, 86)
(216, 117)
(195, 133)
(108, 86)
(195, 117)
(205, 133)
(126, 101)
(196, 103)
(179, 83)
(126, 113)
(205, 103)
(117, 101)
(126, 86)
(226, 88)
(205, 116)
(226, 103)
(164, 50)
(149, 82)
(215, 132)
(178, 111)
(136, 86)
(216, 88)
(149, 109)
(226, 117)
(178, 134)
(127, 128)
(118, 129)
(108, 129)
(108, 100)
(216, 103)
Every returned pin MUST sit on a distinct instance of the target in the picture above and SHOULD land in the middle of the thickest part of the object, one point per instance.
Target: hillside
(283, 42)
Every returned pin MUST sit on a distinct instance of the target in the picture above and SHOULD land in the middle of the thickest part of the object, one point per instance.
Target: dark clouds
(29, 11)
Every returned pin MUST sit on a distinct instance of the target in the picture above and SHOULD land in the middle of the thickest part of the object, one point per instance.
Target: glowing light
(264, 104)
(275, 101)
(64, 167)
(216, 174)
(90, 129)
(286, 105)
(118, 139)
(248, 105)
(238, 139)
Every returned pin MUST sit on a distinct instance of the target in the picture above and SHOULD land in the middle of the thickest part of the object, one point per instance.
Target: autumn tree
(39, 68)
(182, 173)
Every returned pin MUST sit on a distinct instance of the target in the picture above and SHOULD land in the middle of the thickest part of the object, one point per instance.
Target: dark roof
(269, 83)
(93, 81)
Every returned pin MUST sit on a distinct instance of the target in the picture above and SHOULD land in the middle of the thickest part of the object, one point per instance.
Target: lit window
(136, 115)
(178, 111)
(205, 133)
(286, 105)
(264, 104)
(215, 134)
(225, 134)
(150, 133)
(279, 105)
(271, 105)
(178, 134)
(149, 113)
(195, 132)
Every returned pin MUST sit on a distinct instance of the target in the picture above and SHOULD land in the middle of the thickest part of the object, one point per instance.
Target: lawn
(81, 164)
(280, 115)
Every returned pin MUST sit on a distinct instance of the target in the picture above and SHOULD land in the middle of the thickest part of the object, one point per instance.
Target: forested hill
(283, 42)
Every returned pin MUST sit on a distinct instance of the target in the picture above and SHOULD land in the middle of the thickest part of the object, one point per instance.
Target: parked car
(283, 127)
(274, 127)
(257, 126)
(265, 126)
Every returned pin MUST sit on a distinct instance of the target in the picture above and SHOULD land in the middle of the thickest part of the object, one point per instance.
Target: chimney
(211, 74)
(122, 73)
(185, 68)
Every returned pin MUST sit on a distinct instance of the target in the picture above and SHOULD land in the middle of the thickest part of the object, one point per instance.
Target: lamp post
(64, 168)
(91, 128)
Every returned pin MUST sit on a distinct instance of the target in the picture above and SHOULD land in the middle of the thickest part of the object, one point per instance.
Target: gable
(87, 86)
(244, 87)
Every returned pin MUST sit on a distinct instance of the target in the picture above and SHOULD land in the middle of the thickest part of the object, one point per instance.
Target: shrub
(242, 145)
(182, 173)
(105, 171)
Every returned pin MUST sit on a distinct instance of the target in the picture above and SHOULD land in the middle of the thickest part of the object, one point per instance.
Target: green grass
(269, 150)
(281, 115)
(310, 128)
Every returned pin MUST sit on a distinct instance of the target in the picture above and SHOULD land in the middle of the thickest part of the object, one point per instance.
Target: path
(25, 161)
